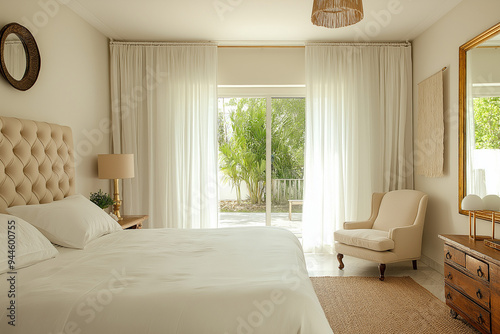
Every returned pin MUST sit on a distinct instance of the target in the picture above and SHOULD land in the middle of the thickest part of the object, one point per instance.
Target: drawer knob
(479, 294)
(480, 272)
(480, 320)
(448, 255)
(449, 276)
(448, 296)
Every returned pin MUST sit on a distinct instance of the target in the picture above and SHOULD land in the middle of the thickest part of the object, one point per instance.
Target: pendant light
(336, 13)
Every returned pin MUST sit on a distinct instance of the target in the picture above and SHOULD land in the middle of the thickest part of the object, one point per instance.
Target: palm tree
(231, 167)
(242, 143)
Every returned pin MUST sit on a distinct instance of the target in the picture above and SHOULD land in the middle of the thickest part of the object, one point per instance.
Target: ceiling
(246, 22)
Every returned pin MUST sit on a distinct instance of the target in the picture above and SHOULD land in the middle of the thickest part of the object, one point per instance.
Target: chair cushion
(366, 238)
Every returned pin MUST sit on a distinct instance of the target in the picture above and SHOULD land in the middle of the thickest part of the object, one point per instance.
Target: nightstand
(132, 222)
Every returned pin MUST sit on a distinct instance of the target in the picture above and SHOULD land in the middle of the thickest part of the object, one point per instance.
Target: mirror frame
(462, 96)
(33, 60)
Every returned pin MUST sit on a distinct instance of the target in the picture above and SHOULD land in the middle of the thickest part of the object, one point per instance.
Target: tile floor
(239, 219)
(327, 265)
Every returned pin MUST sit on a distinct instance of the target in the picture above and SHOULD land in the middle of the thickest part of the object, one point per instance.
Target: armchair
(393, 233)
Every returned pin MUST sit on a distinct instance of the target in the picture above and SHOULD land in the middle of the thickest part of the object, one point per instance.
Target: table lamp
(115, 167)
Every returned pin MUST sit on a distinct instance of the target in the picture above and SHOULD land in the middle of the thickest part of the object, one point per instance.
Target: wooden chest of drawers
(472, 281)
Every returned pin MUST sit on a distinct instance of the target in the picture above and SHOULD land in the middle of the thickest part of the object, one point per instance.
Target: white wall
(73, 85)
(432, 50)
(261, 66)
(480, 71)
(228, 193)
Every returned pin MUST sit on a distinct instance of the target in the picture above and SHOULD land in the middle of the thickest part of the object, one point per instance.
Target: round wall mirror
(19, 56)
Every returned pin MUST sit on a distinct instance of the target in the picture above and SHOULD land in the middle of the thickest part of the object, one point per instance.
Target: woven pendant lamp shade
(336, 13)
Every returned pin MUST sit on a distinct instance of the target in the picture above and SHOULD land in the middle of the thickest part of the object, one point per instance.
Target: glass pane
(485, 153)
(287, 160)
(482, 130)
(242, 161)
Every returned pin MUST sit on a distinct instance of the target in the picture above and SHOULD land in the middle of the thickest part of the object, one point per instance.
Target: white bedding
(237, 280)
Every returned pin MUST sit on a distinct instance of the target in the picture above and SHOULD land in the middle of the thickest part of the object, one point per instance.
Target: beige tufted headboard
(36, 162)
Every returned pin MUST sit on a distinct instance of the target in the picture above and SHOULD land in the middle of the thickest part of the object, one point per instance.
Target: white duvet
(237, 280)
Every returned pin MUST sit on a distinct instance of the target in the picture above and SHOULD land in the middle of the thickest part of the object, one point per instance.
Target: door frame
(268, 92)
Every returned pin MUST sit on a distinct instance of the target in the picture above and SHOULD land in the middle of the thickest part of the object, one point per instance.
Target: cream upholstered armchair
(393, 233)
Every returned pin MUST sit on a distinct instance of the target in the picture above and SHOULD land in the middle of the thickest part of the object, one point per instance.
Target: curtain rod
(263, 46)
(111, 42)
(318, 44)
(406, 44)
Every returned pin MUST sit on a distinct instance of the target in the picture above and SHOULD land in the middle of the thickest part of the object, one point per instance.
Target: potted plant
(102, 200)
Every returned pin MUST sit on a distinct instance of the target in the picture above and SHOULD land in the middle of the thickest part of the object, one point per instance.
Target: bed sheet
(233, 280)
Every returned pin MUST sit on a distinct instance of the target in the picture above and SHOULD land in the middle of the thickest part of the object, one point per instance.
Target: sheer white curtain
(358, 133)
(164, 111)
(15, 58)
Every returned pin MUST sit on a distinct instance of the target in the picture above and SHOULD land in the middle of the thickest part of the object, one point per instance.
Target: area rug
(396, 305)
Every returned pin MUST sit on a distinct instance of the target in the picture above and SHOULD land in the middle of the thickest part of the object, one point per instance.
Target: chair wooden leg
(381, 268)
(414, 264)
(341, 264)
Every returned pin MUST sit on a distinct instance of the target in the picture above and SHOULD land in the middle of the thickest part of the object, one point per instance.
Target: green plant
(242, 154)
(487, 122)
(102, 200)
(242, 143)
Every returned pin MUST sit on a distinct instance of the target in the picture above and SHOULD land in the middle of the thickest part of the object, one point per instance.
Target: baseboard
(439, 267)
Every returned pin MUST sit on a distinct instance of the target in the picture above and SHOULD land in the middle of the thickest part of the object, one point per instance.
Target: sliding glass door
(261, 171)
(242, 161)
(287, 163)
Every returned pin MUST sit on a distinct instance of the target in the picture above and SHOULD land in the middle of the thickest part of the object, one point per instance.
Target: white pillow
(22, 244)
(71, 222)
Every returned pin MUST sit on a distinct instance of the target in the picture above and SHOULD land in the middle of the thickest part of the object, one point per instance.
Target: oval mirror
(15, 57)
(479, 117)
(20, 75)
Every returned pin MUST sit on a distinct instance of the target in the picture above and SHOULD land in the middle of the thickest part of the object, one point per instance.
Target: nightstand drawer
(474, 289)
(454, 255)
(478, 268)
(475, 314)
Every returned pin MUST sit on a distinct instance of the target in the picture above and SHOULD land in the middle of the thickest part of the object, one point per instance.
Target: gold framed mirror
(20, 72)
(479, 107)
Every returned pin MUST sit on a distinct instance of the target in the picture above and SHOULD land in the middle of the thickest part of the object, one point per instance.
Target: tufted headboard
(36, 162)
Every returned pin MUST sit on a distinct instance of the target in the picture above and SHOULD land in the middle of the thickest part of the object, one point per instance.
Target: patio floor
(240, 219)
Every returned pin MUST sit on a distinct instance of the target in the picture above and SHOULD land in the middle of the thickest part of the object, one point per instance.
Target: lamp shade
(472, 203)
(115, 166)
(491, 203)
(336, 13)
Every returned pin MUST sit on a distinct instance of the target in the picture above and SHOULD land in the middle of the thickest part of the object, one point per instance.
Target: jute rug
(397, 305)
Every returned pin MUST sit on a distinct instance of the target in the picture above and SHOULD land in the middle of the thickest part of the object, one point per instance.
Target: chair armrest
(367, 224)
(407, 241)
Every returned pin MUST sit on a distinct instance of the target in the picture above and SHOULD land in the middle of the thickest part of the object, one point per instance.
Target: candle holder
(473, 203)
(492, 205)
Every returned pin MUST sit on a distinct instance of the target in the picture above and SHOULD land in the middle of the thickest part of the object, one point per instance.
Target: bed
(137, 281)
